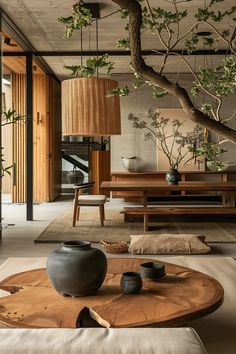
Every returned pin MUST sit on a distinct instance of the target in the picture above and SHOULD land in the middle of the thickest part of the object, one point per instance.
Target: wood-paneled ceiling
(38, 22)
(16, 64)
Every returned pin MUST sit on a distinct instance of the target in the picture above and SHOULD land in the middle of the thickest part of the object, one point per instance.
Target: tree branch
(135, 21)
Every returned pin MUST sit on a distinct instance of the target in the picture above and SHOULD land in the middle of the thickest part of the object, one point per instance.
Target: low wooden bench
(183, 211)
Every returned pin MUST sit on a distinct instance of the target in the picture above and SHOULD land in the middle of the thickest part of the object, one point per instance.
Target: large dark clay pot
(173, 176)
(77, 269)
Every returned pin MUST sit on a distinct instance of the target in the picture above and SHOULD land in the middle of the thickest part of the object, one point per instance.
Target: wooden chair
(87, 200)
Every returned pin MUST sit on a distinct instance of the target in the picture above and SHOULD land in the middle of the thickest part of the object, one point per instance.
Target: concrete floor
(18, 235)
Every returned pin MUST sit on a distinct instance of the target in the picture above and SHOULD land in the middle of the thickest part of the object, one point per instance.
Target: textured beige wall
(131, 141)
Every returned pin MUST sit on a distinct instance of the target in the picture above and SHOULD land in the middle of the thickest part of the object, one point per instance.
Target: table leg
(144, 198)
(146, 222)
(228, 199)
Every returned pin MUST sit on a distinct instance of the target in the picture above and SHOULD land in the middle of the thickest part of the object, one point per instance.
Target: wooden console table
(183, 295)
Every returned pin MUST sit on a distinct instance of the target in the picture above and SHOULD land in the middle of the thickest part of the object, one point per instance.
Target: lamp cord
(81, 46)
(97, 41)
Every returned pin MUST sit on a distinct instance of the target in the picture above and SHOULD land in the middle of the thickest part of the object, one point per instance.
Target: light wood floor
(18, 239)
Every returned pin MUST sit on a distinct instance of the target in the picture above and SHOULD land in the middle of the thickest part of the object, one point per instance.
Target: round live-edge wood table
(183, 295)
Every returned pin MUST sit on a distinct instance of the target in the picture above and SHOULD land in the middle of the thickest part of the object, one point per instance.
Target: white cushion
(101, 341)
(168, 244)
(92, 199)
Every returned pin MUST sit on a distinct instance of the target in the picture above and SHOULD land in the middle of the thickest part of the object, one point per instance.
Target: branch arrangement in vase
(167, 135)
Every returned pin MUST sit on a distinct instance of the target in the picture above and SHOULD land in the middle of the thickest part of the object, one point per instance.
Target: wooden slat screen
(18, 138)
(46, 139)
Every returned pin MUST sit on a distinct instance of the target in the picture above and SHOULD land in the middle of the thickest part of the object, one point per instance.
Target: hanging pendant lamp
(86, 109)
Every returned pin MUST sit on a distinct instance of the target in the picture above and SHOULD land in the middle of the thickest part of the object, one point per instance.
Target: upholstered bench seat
(101, 341)
(94, 199)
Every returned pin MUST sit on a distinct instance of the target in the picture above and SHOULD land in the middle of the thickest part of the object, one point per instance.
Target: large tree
(167, 23)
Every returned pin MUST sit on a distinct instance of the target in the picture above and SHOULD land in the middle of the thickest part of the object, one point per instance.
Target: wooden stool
(87, 200)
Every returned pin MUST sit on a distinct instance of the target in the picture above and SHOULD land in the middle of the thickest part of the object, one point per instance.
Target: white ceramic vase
(133, 164)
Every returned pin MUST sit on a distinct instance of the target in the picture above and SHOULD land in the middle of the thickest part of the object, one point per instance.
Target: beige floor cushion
(101, 341)
(168, 244)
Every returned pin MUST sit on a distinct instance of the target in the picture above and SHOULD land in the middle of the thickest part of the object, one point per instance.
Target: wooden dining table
(228, 189)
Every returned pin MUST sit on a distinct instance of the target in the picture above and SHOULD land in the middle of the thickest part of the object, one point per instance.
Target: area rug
(88, 228)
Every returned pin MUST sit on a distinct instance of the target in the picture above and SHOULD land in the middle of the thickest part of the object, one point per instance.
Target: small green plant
(81, 17)
(91, 67)
(8, 117)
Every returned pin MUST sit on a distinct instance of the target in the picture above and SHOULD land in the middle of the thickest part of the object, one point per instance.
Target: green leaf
(91, 67)
(191, 42)
(81, 17)
(119, 91)
(158, 92)
(123, 43)
(124, 13)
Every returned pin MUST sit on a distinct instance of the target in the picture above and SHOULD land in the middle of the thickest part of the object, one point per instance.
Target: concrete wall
(131, 142)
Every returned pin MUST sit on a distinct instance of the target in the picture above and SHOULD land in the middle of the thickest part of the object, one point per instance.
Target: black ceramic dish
(152, 270)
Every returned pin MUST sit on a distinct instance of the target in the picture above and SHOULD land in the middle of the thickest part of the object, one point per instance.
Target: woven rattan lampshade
(86, 110)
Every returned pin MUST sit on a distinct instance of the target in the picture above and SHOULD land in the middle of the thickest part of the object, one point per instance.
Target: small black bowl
(131, 282)
(152, 270)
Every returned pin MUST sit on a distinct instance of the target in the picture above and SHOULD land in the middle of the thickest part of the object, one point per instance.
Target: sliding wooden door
(46, 139)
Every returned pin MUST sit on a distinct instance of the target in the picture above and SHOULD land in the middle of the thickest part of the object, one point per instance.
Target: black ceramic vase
(77, 269)
(173, 176)
(131, 282)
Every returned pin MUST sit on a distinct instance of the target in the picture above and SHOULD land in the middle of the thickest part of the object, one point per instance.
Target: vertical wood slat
(39, 139)
(100, 169)
(18, 139)
(54, 137)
